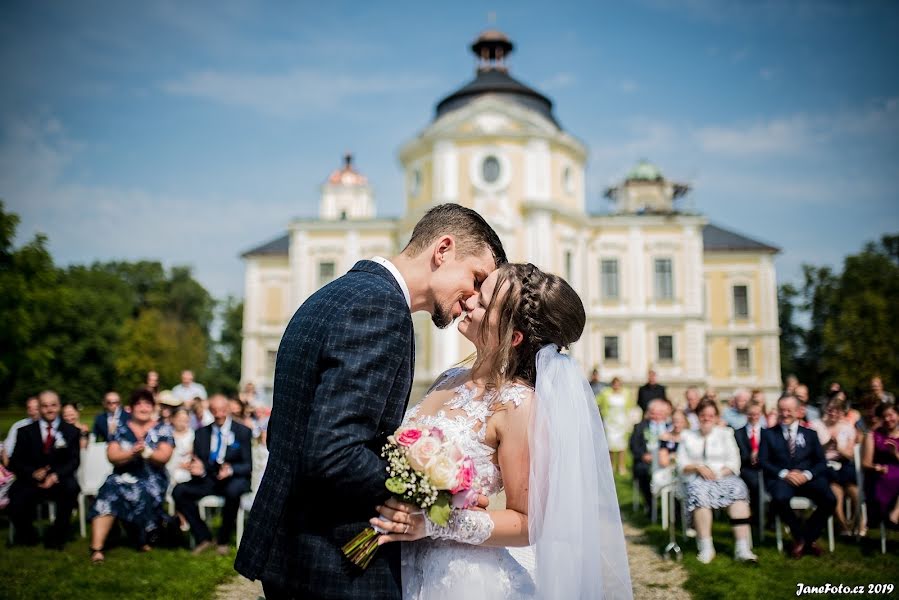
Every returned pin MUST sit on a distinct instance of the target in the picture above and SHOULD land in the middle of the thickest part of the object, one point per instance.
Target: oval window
(490, 169)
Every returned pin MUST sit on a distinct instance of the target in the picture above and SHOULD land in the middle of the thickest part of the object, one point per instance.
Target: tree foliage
(852, 319)
(83, 330)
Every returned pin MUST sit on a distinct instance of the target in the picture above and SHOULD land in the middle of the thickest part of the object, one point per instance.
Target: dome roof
(644, 171)
(493, 78)
(347, 175)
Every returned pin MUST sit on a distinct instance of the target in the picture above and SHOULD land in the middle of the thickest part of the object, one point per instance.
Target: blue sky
(190, 132)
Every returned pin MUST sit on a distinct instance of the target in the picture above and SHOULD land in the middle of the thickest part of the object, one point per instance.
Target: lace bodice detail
(463, 418)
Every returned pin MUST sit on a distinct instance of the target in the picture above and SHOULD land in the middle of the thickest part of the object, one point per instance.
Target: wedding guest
(182, 453)
(615, 405)
(793, 464)
(239, 412)
(152, 383)
(222, 466)
(710, 460)
(811, 412)
(748, 440)
(790, 384)
(711, 393)
(669, 441)
(112, 416)
(261, 414)
(879, 393)
(45, 462)
(881, 460)
(595, 384)
(735, 414)
(249, 395)
(200, 415)
(188, 389)
(644, 441)
(649, 391)
(135, 491)
(838, 439)
(72, 416)
(167, 405)
(33, 413)
(692, 398)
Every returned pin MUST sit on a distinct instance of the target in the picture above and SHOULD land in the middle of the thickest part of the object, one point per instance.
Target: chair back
(94, 469)
(260, 460)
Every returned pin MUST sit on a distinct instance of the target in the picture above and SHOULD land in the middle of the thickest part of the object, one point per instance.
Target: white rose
(422, 452)
(442, 472)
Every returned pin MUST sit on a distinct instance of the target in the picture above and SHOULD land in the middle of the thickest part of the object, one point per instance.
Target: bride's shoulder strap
(516, 393)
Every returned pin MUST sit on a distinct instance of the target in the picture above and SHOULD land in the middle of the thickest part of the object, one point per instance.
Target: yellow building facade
(663, 288)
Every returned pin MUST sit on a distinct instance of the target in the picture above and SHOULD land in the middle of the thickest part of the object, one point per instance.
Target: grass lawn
(163, 573)
(776, 575)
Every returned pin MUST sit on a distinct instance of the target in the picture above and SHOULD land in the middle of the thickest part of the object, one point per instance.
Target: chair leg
(778, 534)
(82, 525)
(664, 499)
(653, 509)
(634, 496)
(883, 537)
(830, 533)
(240, 519)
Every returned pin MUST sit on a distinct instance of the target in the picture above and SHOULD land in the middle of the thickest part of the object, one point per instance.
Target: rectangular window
(741, 302)
(666, 348)
(743, 359)
(325, 273)
(568, 266)
(608, 279)
(664, 279)
(610, 347)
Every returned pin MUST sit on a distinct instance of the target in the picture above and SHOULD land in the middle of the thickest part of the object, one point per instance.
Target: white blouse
(718, 450)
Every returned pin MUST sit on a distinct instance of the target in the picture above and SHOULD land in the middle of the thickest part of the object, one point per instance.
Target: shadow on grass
(776, 576)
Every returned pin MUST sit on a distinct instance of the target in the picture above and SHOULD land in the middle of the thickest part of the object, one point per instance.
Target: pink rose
(465, 499)
(465, 476)
(407, 437)
(422, 452)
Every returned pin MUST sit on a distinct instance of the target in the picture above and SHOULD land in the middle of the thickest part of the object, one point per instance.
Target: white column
(537, 171)
(299, 269)
(637, 256)
(446, 172)
(540, 238)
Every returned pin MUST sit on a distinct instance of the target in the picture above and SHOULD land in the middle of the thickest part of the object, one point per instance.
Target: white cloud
(772, 137)
(558, 81)
(85, 223)
(297, 93)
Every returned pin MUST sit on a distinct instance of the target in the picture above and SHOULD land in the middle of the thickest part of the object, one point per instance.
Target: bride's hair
(543, 307)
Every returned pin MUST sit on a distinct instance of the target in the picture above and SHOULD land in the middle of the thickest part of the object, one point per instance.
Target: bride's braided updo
(543, 307)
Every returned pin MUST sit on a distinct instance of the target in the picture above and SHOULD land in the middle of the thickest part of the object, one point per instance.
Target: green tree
(224, 369)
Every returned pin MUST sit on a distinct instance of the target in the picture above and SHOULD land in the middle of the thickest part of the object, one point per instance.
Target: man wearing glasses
(108, 420)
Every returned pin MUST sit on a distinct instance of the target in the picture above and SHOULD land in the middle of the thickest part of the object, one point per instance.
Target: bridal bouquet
(426, 470)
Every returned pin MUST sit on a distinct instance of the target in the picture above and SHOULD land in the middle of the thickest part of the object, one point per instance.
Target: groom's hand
(402, 522)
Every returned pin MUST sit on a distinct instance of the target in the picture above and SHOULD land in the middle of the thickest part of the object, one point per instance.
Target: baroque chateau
(663, 287)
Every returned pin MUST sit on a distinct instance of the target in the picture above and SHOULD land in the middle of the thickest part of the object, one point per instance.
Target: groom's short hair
(469, 229)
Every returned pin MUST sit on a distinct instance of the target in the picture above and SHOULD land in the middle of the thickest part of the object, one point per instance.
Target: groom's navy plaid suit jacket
(342, 382)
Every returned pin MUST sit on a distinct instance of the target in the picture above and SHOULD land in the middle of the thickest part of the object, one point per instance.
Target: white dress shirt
(792, 429)
(44, 425)
(226, 441)
(186, 393)
(10, 443)
(396, 275)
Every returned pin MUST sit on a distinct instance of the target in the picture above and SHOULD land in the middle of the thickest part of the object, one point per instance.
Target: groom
(342, 382)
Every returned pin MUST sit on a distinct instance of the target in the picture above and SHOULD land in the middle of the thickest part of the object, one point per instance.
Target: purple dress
(886, 485)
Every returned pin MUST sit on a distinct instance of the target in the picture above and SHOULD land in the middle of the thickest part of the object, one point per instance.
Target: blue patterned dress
(135, 492)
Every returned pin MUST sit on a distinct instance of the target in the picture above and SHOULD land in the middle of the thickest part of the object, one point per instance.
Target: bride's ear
(517, 338)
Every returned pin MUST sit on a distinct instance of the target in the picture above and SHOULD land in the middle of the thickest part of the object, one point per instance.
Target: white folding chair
(92, 473)
(260, 458)
(800, 503)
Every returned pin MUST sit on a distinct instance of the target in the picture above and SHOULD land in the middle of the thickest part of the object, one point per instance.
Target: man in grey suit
(342, 382)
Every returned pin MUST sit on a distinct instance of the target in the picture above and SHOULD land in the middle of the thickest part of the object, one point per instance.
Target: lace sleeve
(465, 526)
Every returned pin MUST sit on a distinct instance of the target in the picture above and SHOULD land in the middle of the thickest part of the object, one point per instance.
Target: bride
(525, 414)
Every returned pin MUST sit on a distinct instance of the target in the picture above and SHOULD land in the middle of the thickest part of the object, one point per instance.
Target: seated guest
(139, 450)
(881, 459)
(183, 435)
(109, 420)
(200, 415)
(809, 413)
(692, 397)
(710, 461)
(748, 440)
(838, 438)
(33, 412)
(45, 462)
(735, 414)
(668, 443)
(644, 441)
(221, 466)
(72, 416)
(793, 464)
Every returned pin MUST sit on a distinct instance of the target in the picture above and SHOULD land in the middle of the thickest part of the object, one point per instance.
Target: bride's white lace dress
(444, 569)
